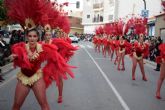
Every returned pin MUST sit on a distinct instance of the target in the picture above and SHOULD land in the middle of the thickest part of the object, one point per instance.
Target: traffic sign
(145, 13)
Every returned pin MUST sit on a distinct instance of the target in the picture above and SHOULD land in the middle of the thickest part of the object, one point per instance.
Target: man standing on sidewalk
(158, 42)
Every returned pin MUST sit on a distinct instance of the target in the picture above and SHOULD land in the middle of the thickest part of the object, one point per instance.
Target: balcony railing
(98, 5)
(98, 19)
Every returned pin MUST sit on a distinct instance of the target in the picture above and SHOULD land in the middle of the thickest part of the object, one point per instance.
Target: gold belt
(138, 58)
(29, 80)
(121, 51)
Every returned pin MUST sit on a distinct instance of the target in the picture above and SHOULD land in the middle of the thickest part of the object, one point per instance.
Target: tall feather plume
(20, 10)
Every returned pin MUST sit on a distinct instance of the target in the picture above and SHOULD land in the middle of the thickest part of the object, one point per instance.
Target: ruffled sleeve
(56, 66)
(128, 47)
(162, 53)
(21, 60)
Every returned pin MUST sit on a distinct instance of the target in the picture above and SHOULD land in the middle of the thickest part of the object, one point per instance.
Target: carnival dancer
(161, 60)
(105, 45)
(95, 39)
(109, 39)
(124, 48)
(59, 21)
(108, 31)
(140, 51)
(99, 32)
(29, 56)
(65, 49)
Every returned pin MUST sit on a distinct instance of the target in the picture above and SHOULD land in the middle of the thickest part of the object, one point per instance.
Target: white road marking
(4, 83)
(89, 46)
(123, 103)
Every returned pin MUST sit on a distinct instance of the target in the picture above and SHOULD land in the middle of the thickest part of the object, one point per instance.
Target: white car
(74, 38)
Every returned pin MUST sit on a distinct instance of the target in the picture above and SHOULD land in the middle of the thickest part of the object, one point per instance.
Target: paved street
(97, 86)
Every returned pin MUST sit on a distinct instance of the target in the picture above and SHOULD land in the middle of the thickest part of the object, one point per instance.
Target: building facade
(160, 26)
(100, 12)
(74, 11)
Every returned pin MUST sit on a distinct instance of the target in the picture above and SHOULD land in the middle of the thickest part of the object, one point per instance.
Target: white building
(99, 12)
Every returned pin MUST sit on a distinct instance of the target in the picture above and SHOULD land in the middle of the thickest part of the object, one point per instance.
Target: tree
(3, 11)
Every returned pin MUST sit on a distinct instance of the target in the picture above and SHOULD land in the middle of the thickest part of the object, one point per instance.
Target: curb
(6, 68)
(151, 63)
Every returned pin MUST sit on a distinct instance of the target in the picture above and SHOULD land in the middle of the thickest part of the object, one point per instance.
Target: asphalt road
(97, 86)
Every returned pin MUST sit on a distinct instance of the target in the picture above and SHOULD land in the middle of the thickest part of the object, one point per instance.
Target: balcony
(98, 5)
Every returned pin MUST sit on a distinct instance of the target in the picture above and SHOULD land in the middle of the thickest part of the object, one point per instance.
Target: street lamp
(144, 4)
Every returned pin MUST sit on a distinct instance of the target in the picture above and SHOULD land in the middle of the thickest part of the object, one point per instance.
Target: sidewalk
(6, 68)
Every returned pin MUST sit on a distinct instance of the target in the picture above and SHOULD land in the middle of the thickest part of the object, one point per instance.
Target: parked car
(73, 38)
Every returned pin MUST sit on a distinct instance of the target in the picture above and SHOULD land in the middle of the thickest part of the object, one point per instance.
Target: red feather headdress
(108, 29)
(27, 12)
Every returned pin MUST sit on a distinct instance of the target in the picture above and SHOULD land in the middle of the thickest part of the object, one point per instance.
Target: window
(110, 17)
(88, 16)
(101, 18)
(77, 4)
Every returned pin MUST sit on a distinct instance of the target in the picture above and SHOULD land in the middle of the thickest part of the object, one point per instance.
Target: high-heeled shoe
(118, 69)
(158, 96)
(144, 78)
(123, 69)
(133, 78)
(59, 99)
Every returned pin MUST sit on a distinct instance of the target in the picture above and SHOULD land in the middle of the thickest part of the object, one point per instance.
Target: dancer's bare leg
(123, 64)
(39, 90)
(160, 80)
(21, 93)
(134, 64)
(60, 90)
(141, 64)
(119, 60)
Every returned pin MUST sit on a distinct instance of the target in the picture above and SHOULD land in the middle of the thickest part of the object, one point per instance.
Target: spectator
(3, 46)
(158, 42)
(2, 43)
(14, 37)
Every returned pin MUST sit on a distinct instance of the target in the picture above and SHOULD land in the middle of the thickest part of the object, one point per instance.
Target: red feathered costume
(56, 66)
(65, 49)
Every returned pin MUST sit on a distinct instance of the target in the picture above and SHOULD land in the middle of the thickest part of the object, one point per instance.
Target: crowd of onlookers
(6, 41)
